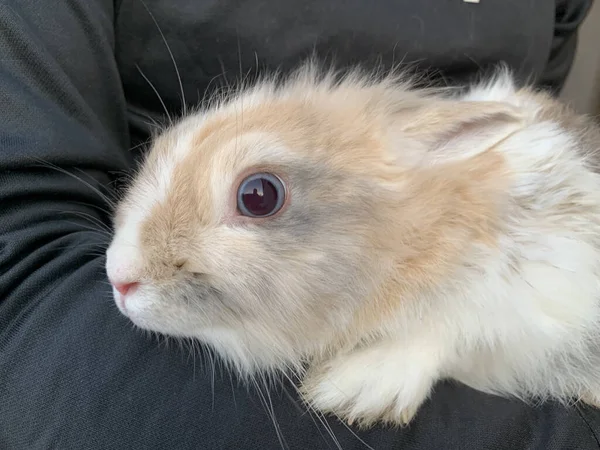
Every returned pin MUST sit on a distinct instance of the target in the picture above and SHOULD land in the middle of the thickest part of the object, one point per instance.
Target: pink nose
(125, 288)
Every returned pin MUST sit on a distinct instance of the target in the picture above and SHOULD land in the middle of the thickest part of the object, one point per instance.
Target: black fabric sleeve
(74, 374)
(569, 15)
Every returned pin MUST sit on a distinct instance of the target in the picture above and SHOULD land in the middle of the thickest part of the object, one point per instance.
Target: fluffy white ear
(447, 131)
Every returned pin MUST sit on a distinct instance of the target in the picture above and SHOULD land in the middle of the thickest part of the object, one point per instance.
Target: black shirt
(78, 89)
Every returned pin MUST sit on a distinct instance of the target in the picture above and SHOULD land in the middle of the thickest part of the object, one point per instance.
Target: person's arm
(74, 373)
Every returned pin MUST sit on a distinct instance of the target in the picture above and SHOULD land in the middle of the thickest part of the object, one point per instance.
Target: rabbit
(374, 237)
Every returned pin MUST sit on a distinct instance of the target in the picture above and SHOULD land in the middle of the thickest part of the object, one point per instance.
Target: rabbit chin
(245, 348)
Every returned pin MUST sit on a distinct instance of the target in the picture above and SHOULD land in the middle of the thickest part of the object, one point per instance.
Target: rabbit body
(425, 236)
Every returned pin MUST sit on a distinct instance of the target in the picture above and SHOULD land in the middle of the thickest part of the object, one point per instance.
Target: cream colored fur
(427, 236)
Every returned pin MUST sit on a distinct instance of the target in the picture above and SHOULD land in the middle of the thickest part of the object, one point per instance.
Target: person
(83, 84)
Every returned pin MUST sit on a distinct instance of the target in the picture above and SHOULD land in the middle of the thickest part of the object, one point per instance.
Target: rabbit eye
(260, 195)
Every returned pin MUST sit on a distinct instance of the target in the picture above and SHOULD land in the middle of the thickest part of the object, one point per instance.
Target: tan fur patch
(456, 205)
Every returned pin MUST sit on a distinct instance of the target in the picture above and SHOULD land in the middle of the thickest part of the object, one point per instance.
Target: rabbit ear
(454, 130)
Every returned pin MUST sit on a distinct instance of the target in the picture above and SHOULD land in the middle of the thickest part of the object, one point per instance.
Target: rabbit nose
(125, 288)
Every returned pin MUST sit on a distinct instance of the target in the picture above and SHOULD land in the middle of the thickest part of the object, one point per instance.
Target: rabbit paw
(371, 385)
